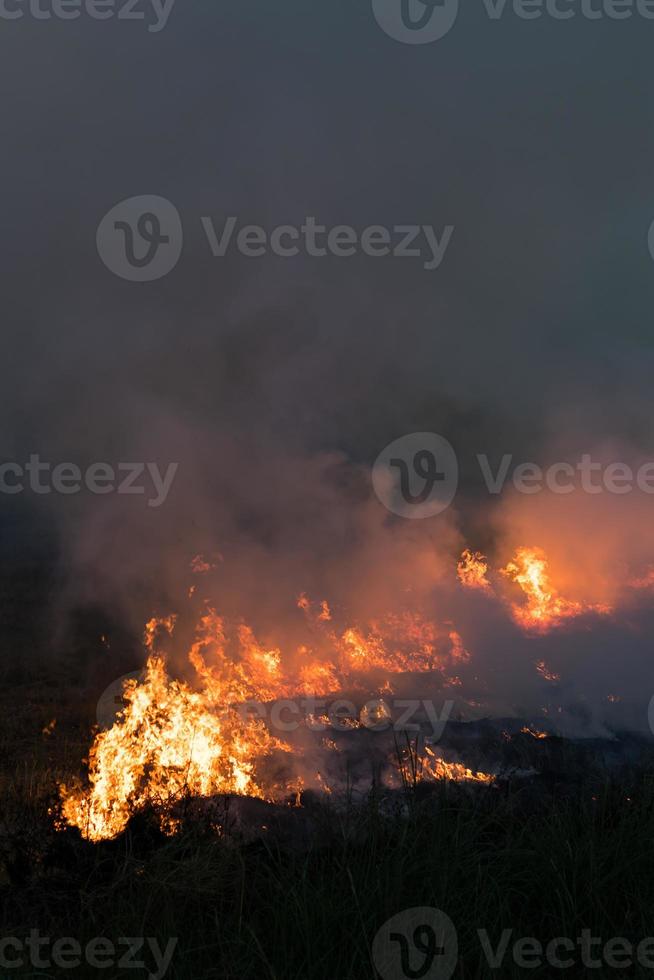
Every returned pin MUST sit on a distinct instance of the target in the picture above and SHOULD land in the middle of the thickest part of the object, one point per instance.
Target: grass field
(304, 898)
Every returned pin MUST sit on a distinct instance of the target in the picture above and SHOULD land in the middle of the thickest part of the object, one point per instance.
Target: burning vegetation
(197, 735)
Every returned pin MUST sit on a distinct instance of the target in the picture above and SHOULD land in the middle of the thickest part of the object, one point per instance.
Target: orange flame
(473, 570)
(534, 732)
(175, 738)
(436, 767)
(544, 608)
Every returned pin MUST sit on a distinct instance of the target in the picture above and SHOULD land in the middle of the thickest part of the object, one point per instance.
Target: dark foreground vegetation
(299, 893)
(292, 893)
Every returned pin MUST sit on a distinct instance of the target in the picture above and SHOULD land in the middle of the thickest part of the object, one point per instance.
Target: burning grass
(175, 738)
(181, 831)
(253, 889)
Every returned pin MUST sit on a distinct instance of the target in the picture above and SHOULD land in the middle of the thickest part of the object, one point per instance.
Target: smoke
(275, 383)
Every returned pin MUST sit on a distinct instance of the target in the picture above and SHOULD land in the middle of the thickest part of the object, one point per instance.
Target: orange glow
(545, 672)
(534, 733)
(544, 607)
(644, 581)
(175, 738)
(436, 767)
(167, 742)
(473, 570)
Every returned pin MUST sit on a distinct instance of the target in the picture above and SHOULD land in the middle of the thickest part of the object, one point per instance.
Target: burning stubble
(177, 737)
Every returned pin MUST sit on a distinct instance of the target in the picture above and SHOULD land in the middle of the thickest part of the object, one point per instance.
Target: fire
(644, 581)
(167, 743)
(458, 650)
(473, 571)
(199, 737)
(534, 732)
(175, 739)
(394, 643)
(436, 767)
(418, 764)
(545, 672)
(544, 607)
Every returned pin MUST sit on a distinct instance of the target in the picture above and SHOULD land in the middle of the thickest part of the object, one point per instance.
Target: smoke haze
(274, 383)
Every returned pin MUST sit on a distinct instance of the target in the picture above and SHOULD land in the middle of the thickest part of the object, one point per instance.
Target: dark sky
(533, 138)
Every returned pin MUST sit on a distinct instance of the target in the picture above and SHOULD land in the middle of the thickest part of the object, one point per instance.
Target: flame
(436, 767)
(534, 732)
(325, 613)
(167, 743)
(458, 650)
(175, 738)
(544, 608)
(545, 672)
(644, 582)
(473, 571)
(200, 737)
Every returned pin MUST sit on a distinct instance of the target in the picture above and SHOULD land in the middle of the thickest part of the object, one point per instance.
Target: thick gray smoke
(274, 382)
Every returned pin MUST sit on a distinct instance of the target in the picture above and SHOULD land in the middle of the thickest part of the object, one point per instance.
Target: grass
(304, 899)
(529, 858)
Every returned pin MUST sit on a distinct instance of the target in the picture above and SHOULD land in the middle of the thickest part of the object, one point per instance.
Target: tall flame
(473, 571)
(176, 738)
(545, 607)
